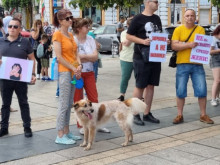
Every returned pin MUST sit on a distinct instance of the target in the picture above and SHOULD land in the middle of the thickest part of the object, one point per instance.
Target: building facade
(170, 11)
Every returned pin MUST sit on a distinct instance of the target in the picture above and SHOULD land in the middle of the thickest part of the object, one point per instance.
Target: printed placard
(200, 54)
(16, 69)
(158, 47)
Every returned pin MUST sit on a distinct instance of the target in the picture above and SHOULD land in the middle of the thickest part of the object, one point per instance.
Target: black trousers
(21, 89)
(38, 62)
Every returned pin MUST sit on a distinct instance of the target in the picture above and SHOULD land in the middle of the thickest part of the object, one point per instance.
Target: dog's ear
(76, 105)
(90, 103)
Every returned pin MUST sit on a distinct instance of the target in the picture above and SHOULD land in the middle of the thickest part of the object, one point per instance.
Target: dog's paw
(82, 145)
(124, 144)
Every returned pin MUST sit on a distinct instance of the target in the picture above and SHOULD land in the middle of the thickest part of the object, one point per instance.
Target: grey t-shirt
(119, 26)
(19, 48)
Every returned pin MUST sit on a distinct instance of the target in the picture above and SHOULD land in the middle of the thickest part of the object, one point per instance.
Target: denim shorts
(197, 74)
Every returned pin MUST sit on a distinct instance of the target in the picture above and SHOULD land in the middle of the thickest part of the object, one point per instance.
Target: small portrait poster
(200, 54)
(158, 47)
(16, 69)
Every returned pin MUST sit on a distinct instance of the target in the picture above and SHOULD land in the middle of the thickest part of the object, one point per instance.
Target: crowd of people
(77, 53)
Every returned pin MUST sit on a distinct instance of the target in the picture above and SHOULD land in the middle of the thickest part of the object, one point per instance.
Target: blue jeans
(197, 74)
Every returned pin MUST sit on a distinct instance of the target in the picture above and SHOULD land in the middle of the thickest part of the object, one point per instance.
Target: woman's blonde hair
(36, 22)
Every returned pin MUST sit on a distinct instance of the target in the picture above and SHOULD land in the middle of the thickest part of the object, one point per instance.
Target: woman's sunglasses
(69, 18)
(13, 26)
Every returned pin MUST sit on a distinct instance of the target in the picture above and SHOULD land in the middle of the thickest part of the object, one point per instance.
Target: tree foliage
(216, 3)
(104, 4)
(16, 3)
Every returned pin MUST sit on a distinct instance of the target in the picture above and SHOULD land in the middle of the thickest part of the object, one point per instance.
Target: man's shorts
(45, 62)
(197, 74)
(146, 73)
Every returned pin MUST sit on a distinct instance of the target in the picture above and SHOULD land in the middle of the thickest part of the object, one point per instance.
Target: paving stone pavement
(190, 143)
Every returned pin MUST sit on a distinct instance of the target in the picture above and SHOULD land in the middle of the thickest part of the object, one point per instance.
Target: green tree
(17, 3)
(104, 4)
(216, 3)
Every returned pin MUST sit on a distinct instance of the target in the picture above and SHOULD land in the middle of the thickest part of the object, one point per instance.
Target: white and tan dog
(91, 115)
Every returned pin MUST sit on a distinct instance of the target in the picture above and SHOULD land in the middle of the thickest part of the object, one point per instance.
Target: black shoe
(137, 120)
(27, 132)
(121, 98)
(150, 118)
(3, 132)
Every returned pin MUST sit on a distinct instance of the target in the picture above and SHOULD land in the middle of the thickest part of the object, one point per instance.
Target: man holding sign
(186, 68)
(13, 45)
(147, 73)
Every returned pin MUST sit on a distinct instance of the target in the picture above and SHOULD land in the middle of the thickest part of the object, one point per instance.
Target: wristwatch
(34, 74)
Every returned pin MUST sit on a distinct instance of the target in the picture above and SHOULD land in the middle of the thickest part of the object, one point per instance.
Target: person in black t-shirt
(14, 45)
(147, 74)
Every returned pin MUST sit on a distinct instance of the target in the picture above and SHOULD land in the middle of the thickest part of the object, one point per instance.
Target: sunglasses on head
(13, 26)
(69, 18)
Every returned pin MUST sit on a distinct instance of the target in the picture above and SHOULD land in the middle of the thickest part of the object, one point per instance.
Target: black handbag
(172, 62)
(145, 53)
(173, 58)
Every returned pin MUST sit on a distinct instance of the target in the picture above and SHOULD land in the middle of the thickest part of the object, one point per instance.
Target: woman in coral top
(69, 65)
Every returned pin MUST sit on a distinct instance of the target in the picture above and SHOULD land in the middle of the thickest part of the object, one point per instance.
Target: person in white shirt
(6, 21)
(126, 61)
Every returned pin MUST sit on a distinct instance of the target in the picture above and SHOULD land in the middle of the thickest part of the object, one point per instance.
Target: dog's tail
(136, 105)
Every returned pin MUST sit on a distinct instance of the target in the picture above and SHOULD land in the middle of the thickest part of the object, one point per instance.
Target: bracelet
(34, 74)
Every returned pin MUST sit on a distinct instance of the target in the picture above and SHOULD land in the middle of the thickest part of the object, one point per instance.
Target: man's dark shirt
(142, 26)
(20, 48)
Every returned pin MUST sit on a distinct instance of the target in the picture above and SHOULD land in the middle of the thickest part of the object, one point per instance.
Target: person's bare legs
(46, 72)
(202, 105)
(64, 131)
(148, 98)
(138, 92)
(42, 71)
(203, 116)
(216, 82)
(180, 104)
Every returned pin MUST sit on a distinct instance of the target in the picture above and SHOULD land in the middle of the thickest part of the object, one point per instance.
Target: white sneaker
(38, 76)
(104, 130)
(214, 102)
(81, 131)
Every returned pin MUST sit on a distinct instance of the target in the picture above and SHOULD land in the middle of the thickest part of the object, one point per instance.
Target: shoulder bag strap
(191, 34)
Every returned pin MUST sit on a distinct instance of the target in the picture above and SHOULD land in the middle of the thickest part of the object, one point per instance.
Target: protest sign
(200, 54)
(158, 47)
(16, 69)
